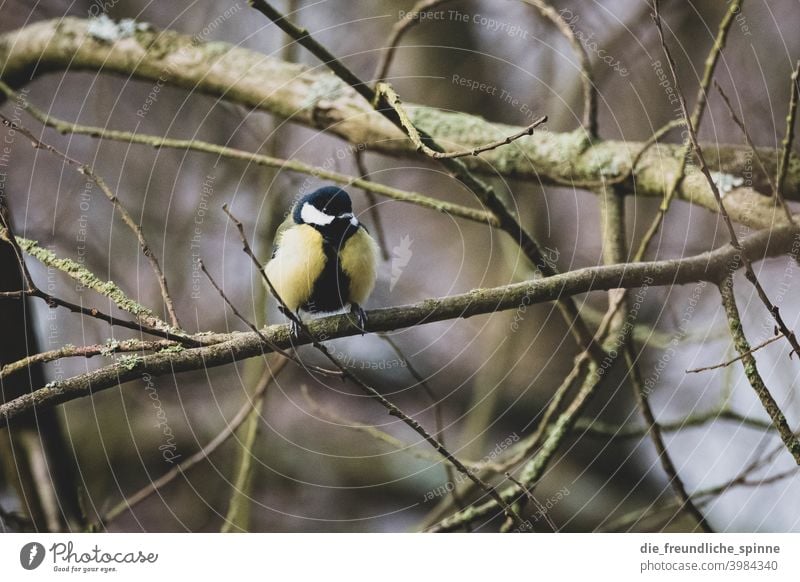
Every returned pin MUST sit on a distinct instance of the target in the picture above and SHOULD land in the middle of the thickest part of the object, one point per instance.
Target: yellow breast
(296, 265)
(359, 261)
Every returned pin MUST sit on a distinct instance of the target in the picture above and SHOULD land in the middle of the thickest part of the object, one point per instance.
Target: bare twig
(53, 301)
(376, 433)
(654, 430)
(587, 79)
(126, 217)
(78, 272)
(737, 358)
(437, 411)
(377, 223)
(740, 124)
(401, 27)
(788, 138)
(413, 133)
(596, 428)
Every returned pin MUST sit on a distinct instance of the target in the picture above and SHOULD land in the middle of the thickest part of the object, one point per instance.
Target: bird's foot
(294, 326)
(294, 329)
(361, 317)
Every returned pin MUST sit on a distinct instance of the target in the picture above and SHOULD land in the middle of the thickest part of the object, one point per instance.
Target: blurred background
(313, 472)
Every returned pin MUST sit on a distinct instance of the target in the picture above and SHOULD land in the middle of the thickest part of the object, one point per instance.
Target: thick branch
(711, 266)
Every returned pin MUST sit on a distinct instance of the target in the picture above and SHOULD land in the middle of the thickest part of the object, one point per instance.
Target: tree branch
(317, 99)
(751, 370)
(710, 266)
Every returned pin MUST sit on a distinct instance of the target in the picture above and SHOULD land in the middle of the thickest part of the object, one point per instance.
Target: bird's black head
(325, 207)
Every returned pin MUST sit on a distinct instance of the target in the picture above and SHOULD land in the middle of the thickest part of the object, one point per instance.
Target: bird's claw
(294, 329)
(294, 325)
(361, 317)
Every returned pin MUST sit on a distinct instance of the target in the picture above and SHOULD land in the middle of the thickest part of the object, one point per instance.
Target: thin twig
(377, 223)
(436, 155)
(78, 272)
(587, 79)
(438, 414)
(539, 507)
(596, 428)
(400, 28)
(654, 430)
(376, 433)
(230, 428)
(737, 358)
(53, 301)
(126, 217)
(740, 124)
(788, 138)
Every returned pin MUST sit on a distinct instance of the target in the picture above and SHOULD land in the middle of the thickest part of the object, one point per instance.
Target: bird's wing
(276, 241)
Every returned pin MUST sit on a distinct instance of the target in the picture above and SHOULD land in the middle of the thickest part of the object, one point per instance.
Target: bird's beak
(349, 215)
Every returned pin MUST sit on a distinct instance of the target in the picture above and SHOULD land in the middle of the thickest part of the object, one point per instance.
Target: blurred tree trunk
(34, 453)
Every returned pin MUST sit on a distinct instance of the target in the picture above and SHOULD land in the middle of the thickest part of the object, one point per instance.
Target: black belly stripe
(332, 289)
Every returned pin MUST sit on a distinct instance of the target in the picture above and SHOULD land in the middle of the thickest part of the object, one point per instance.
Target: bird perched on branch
(323, 259)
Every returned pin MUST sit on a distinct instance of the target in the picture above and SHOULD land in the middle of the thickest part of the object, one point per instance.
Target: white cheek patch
(311, 215)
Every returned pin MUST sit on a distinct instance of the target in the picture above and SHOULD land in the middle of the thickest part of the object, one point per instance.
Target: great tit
(323, 259)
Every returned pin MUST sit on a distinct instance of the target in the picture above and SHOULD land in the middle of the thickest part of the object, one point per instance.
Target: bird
(323, 258)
